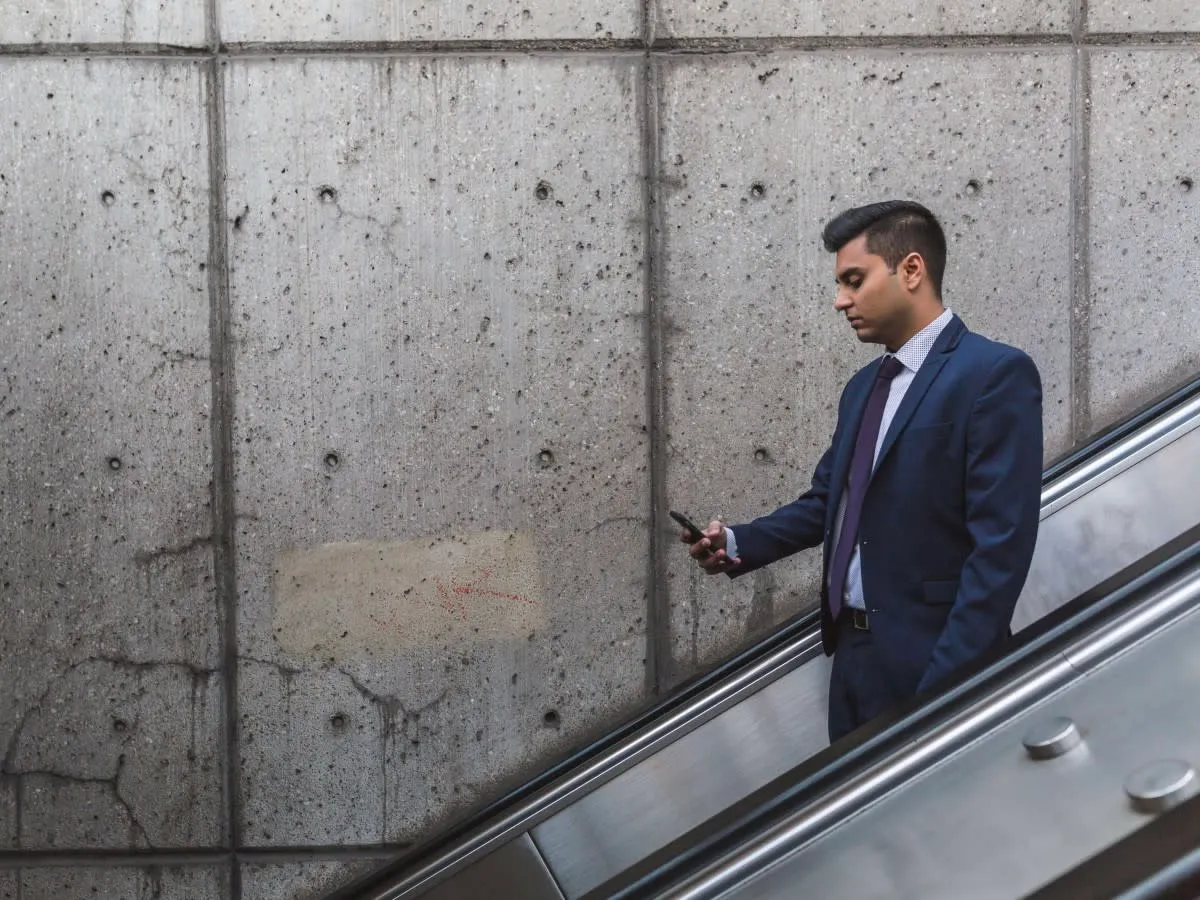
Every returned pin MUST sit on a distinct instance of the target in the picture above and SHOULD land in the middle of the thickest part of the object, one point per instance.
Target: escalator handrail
(490, 823)
(871, 747)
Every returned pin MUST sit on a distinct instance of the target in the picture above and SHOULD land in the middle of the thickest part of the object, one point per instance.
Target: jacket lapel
(929, 370)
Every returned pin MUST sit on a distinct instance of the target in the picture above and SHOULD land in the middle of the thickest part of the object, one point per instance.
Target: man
(927, 500)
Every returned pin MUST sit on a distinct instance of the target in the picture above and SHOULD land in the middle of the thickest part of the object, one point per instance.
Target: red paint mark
(453, 597)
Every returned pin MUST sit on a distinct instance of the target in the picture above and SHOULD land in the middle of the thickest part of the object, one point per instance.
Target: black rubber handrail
(886, 734)
(802, 624)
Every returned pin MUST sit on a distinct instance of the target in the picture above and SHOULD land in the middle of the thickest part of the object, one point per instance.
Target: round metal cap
(1157, 787)
(1052, 738)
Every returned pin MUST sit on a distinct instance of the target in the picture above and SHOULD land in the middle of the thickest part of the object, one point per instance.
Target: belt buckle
(859, 619)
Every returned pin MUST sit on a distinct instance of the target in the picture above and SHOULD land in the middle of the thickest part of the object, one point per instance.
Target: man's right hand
(709, 551)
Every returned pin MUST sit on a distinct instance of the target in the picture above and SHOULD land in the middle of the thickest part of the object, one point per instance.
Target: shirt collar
(914, 351)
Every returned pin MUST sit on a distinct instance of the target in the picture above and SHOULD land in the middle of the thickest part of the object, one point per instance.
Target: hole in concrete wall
(758, 190)
(543, 191)
(326, 193)
(762, 455)
(332, 460)
(108, 198)
(973, 187)
(551, 719)
(1185, 185)
(545, 459)
(338, 721)
(120, 726)
(114, 462)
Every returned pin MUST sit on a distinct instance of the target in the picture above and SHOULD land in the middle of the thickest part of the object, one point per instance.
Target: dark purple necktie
(861, 465)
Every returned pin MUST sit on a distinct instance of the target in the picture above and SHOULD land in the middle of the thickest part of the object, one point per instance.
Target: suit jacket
(951, 513)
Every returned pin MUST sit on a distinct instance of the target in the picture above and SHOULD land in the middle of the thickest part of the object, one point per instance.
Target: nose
(841, 302)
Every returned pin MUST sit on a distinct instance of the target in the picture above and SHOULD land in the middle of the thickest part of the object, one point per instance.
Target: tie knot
(890, 368)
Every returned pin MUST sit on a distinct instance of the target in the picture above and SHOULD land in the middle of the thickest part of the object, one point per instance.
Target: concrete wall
(353, 353)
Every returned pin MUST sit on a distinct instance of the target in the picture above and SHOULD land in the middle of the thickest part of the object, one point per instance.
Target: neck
(920, 320)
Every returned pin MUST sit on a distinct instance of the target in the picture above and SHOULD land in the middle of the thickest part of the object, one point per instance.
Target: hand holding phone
(693, 530)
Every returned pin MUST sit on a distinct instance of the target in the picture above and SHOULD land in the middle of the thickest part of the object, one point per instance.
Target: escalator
(645, 798)
(1032, 776)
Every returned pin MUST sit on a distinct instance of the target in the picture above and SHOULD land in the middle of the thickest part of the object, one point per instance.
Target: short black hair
(894, 229)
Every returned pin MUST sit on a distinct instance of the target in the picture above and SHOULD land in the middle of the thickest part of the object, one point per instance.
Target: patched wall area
(353, 354)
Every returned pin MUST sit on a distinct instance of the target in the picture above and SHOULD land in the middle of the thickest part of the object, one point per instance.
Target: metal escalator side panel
(696, 777)
(1141, 501)
(985, 819)
(518, 865)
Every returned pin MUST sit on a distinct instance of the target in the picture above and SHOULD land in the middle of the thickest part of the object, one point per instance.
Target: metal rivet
(114, 463)
(1160, 785)
(1052, 738)
(108, 198)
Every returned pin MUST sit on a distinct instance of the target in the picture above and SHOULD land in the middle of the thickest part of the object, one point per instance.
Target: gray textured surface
(103, 21)
(438, 340)
(302, 881)
(1156, 16)
(760, 152)
(111, 708)
(429, 20)
(1145, 225)
(157, 883)
(729, 18)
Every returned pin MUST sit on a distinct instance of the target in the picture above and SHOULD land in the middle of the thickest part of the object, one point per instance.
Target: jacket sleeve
(1003, 505)
(789, 529)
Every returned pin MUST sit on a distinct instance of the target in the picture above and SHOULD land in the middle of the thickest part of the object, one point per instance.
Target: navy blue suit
(949, 519)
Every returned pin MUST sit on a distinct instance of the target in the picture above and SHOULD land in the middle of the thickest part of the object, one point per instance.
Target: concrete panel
(429, 20)
(721, 18)
(9, 887)
(120, 754)
(303, 881)
(158, 882)
(1158, 16)
(104, 21)
(104, 394)
(757, 154)
(1145, 226)
(438, 308)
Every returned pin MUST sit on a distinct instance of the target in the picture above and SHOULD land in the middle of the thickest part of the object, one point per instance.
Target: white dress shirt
(912, 355)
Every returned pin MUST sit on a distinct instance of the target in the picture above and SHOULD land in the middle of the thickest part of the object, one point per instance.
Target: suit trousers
(860, 687)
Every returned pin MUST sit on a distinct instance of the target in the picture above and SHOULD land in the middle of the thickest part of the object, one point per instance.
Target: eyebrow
(849, 273)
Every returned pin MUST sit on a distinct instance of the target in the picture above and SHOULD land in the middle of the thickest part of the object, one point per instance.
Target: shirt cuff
(730, 543)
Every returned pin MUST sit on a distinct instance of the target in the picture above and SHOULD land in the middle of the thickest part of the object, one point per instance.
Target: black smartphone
(693, 532)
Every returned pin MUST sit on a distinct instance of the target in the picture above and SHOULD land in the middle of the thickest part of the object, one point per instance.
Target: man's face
(871, 296)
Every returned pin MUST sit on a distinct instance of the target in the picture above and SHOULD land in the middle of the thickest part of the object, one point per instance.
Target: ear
(912, 271)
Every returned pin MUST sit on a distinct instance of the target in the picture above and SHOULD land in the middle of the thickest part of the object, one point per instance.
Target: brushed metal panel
(514, 870)
(689, 781)
(989, 821)
(1100, 527)
(1113, 525)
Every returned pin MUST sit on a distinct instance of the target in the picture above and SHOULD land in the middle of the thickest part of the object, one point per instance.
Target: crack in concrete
(146, 557)
(112, 783)
(388, 705)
